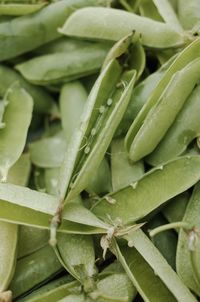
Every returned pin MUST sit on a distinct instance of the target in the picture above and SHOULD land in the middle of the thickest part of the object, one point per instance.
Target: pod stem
(55, 223)
(169, 226)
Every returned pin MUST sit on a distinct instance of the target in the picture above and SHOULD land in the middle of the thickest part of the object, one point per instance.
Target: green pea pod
(123, 173)
(19, 110)
(168, 14)
(91, 26)
(51, 176)
(101, 116)
(44, 154)
(175, 209)
(64, 67)
(72, 100)
(16, 35)
(29, 207)
(163, 114)
(30, 240)
(152, 257)
(184, 129)
(149, 10)
(188, 13)
(53, 291)
(77, 255)
(139, 97)
(138, 199)
(34, 269)
(185, 57)
(43, 102)
(16, 9)
(186, 268)
(18, 174)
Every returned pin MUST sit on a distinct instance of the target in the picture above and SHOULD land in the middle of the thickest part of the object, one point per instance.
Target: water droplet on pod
(87, 150)
(109, 102)
(102, 109)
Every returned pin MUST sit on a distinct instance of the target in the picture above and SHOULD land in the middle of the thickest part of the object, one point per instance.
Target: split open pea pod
(185, 57)
(12, 142)
(16, 35)
(188, 249)
(163, 114)
(142, 197)
(117, 24)
(184, 129)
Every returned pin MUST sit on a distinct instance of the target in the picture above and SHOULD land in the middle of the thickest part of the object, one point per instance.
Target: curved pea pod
(17, 34)
(76, 253)
(44, 152)
(189, 54)
(175, 209)
(30, 240)
(20, 9)
(184, 129)
(137, 200)
(34, 269)
(19, 110)
(91, 26)
(53, 291)
(29, 207)
(186, 267)
(64, 67)
(139, 97)
(123, 173)
(103, 111)
(188, 13)
(148, 9)
(163, 114)
(43, 102)
(146, 255)
(72, 100)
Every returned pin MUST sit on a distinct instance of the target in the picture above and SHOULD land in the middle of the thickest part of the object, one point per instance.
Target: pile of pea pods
(99, 150)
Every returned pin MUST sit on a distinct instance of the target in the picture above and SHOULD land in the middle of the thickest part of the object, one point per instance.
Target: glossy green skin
(184, 265)
(34, 269)
(43, 102)
(16, 35)
(163, 114)
(64, 67)
(185, 128)
(135, 201)
(91, 26)
(190, 53)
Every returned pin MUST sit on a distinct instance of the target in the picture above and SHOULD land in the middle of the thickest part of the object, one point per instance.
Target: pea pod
(17, 34)
(185, 267)
(90, 26)
(64, 67)
(34, 269)
(17, 9)
(43, 102)
(138, 199)
(184, 129)
(149, 10)
(185, 57)
(19, 110)
(188, 13)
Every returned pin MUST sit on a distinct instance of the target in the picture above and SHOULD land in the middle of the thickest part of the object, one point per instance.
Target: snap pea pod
(43, 102)
(123, 173)
(19, 110)
(162, 269)
(184, 129)
(188, 13)
(64, 67)
(17, 9)
(103, 111)
(148, 9)
(186, 269)
(163, 114)
(18, 174)
(16, 35)
(189, 54)
(91, 26)
(53, 291)
(138, 199)
(34, 269)
(43, 152)
(29, 207)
